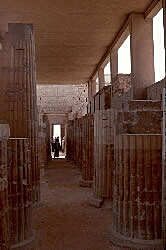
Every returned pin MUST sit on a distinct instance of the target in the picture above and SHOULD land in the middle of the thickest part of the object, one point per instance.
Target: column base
(29, 244)
(96, 202)
(84, 183)
(120, 241)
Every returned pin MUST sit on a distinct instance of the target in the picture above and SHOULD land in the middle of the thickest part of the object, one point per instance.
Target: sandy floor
(65, 221)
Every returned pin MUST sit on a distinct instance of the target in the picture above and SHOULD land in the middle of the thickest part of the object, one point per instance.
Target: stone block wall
(154, 92)
(71, 99)
(121, 84)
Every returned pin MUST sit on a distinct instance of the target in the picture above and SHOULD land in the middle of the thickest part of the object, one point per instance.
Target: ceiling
(71, 35)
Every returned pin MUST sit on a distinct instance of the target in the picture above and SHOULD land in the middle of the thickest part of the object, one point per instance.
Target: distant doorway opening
(57, 132)
(57, 135)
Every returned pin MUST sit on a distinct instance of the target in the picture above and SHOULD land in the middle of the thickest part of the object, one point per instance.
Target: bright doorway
(57, 132)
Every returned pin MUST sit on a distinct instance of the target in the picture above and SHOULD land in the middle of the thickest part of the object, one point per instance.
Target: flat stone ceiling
(71, 35)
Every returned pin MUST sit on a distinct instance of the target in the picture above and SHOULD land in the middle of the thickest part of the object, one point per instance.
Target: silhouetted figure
(57, 147)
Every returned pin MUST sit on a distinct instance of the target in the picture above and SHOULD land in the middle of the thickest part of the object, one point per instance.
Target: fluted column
(103, 156)
(18, 93)
(4, 205)
(20, 192)
(137, 191)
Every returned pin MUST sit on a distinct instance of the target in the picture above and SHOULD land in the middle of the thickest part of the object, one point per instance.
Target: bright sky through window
(124, 59)
(107, 69)
(159, 51)
(107, 74)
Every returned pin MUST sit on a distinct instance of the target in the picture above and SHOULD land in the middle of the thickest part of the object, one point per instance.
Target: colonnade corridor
(65, 220)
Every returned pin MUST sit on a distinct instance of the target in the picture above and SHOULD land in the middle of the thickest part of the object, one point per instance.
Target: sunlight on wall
(159, 51)
(124, 59)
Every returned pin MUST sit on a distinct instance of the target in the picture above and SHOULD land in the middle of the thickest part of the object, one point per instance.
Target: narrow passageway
(65, 220)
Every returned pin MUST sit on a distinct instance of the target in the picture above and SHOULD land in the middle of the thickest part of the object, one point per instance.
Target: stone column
(142, 55)
(114, 64)
(137, 191)
(93, 87)
(89, 96)
(89, 91)
(4, 204)
(20, 194)
(18, 105)
(101, 78)
(103, 156)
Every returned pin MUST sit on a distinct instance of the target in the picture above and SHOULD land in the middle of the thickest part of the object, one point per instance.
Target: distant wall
(63, 99)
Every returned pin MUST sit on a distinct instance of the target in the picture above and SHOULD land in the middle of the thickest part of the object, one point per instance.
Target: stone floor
(65, 220)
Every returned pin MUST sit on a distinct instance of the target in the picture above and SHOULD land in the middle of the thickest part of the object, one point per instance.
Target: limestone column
(114, 64)
(89, 91)
(20, 194)
(89, 96)
(93, 87)
(142, 55)
(137, 191)
(18, 105)
(4, 204)
(101, 78)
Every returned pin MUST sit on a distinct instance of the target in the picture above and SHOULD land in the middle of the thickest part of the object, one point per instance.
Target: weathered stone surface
(63, 99)
(103, 153)
(4, 211)
(147, 105)
(137, 188)
(139, 122)
(121, 84)
(155, 91)
(20, 191)
(4, 131)
(80, 145)
(18, 104)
